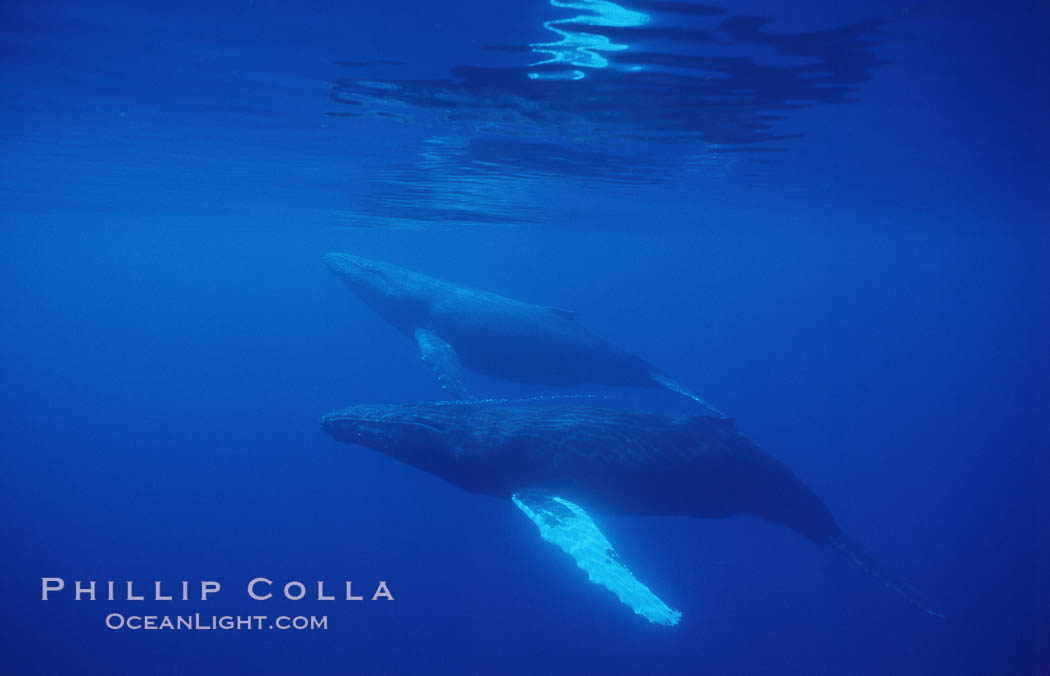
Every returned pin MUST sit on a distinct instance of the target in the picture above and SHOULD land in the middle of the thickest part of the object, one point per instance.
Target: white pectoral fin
(568, 526)
(444, 361)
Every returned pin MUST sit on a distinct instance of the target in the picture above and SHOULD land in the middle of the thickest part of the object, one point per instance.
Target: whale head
(460, 442)
(400, 296)
(411, 434)
(363, 275)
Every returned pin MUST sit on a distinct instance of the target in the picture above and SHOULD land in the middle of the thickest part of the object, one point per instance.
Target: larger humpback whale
(554, 462)
(455, 325)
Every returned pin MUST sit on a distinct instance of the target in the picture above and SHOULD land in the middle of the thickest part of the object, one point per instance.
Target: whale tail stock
(824, 530)
(860, 558)
(675, 386)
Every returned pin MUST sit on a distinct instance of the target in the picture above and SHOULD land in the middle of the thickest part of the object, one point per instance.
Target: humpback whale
(455, 326)
(557, 462)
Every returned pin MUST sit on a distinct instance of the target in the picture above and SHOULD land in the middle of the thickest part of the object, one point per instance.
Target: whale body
(456, 326)
(556, 462)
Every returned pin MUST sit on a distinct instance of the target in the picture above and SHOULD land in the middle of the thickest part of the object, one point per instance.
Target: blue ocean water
(830, 221)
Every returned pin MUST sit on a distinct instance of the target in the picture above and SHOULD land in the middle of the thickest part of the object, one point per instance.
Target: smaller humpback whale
(553, 461)
(455, 326)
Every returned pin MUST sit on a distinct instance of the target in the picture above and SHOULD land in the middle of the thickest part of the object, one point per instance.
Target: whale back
(611, 459)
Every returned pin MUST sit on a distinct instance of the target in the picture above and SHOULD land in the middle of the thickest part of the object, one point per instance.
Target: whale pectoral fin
(568, 526)
(444, 361)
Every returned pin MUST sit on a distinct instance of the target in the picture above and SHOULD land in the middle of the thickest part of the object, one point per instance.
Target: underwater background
(828, 219)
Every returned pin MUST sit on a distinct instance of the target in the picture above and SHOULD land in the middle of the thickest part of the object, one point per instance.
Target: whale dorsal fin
(444, 362)
(562, 312)
(724, 423)
(568, 526)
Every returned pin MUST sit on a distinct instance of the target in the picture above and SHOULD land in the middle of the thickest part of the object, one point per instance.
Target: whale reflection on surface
(631, 93)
